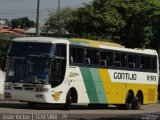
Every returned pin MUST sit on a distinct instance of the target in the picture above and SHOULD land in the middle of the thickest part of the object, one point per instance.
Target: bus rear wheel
(137, 101)
(128, 102)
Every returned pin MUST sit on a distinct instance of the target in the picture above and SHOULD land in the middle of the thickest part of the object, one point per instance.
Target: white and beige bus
(66, 71)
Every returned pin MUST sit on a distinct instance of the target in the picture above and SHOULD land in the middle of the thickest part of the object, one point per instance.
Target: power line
(12, 0)
(5, 1)
(47, 9)
(33, 16)
(21, 12)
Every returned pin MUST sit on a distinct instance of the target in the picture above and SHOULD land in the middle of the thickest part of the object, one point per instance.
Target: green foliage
(22, 23)
(5, 40)
(133, 23)
(58, 21)
(98, 21)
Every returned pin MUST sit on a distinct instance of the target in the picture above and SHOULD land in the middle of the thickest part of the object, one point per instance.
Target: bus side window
(143, 62)
(87, 60)
(110, 58)
(123, 59)
(137, 61)
(80, 55)
(72, 55)
(117, 60)
(103, 62)
(103, 58)
(88, 56)
(148, 63)
(71, 59)
(131, 63)
(96, 57)
(154, 63)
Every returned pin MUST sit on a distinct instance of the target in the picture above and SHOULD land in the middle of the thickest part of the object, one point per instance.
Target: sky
(10, 9)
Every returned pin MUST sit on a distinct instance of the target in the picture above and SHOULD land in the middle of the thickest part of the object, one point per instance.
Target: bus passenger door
(58, 68)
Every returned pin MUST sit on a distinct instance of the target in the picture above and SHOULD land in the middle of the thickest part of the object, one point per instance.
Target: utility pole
(59, 8)
(37, 19)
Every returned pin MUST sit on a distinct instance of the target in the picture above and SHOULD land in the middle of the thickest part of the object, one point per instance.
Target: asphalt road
(9, 110)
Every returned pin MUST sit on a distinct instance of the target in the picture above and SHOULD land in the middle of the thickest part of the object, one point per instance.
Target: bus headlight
(8, 87)
(7, 95)
(41, 88)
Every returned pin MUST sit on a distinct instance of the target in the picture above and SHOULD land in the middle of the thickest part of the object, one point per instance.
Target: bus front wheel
(68, 103)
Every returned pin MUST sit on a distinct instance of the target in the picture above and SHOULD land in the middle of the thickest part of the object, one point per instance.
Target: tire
(68, 103)
(128, 102)
(137, 101)
(31, 104)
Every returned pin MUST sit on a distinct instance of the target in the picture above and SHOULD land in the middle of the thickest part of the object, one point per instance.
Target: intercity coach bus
(66, 71)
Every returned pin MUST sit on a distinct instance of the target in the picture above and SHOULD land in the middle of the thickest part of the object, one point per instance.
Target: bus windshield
(29, 62)
(28, 70)
(36, 49)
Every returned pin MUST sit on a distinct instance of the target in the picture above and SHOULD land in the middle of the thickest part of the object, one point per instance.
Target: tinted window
(131, 63)
(117, 60)
(23, 48)
(88, 56)
(61, 50)
(123, 59)
(80, 55)
(103, 58)
(76, 55)
(73, 55)
(148, 63)
(143, 62)
(154, 63)
(96, 57)
(137, 61)
(110, 59)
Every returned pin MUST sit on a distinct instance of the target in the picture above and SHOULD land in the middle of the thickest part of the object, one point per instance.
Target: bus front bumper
(28, 96)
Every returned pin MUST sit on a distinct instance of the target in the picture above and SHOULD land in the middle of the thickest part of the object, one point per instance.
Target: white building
(4, 23)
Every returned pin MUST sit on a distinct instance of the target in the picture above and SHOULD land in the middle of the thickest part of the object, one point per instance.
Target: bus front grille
(18, 88)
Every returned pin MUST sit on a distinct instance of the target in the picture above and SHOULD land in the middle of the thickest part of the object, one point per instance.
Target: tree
(58, 21)
(124, 21)
(22, 23)
(99, 20)
(138, 31)
(133, 23)
(4, 46)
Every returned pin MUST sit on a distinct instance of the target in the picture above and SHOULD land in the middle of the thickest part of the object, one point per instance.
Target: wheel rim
(138, 100)
(129, 101)
(69, 101)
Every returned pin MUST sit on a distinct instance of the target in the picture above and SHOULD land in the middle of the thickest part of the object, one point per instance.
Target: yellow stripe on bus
(116, 92)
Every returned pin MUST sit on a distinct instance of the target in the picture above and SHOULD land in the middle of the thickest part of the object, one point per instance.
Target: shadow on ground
(23, 105)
